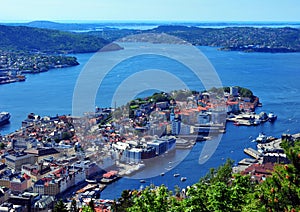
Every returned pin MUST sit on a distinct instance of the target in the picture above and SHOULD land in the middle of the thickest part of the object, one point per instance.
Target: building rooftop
(17, 156)
(42, 151)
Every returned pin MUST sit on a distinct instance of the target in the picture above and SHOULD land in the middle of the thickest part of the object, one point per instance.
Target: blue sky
(151, 10)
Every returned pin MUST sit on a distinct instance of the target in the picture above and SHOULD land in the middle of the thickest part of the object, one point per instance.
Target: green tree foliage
(92, 205)
(29, 39)
(160, 97)
(2, 145)
(124, 202)
(74, 206)
(226, 89)
(87, 209)
(244, 92)
(152, 200)
(222, 174)
(196, 198)
(60, 207)
(219, 191)
(66, 136)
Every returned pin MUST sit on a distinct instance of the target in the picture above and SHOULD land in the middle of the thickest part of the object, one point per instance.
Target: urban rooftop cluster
(51, 156)
(13, 66)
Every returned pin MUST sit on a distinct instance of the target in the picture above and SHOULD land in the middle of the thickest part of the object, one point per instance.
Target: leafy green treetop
(60, 207)
(74, 206)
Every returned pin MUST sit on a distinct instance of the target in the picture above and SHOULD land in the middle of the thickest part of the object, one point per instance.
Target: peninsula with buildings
(14, 66)
(51, 157)
(26, 50)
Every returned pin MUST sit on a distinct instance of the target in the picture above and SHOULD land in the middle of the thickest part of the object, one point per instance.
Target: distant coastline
(20, 54)
(84, 26)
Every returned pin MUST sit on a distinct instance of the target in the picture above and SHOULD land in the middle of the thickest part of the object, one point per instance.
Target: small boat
(176, 175)
(236, 123)
(262, 138)
(142, 181)
(4, 117)
(162, 174)
(183, 179)
(260, 148)
(91, 181)
(272, 117)
(256, 122)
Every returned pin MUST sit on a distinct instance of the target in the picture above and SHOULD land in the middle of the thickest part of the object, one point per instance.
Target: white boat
(176, 175)
(272, 117)
(91, 181)
(262, 138)
(260, 148)
(183, 179)
(256, 122)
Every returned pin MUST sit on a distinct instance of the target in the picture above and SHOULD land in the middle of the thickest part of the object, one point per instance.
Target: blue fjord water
(273, 77)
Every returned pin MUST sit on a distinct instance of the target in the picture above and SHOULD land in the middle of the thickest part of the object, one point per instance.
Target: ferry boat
(262, 138)
(109, 177)
(4, 117)
(272, 117)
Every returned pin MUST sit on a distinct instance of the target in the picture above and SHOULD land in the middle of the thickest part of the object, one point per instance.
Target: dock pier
(253, 153)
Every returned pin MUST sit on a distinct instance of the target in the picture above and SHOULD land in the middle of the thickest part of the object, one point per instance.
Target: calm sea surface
(273, 77)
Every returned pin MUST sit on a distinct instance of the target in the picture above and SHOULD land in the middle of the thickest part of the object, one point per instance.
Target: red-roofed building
(259, 171)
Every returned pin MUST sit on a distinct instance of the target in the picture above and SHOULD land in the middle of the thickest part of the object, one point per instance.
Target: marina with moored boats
(251, 119)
